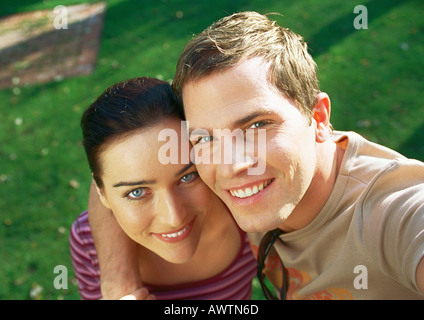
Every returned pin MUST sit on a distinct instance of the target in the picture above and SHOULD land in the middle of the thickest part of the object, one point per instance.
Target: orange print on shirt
(298, 279)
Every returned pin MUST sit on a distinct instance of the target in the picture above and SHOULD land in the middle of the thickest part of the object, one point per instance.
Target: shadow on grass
(9, 7)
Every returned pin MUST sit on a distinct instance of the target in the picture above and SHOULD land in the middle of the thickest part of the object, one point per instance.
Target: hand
(139, 294)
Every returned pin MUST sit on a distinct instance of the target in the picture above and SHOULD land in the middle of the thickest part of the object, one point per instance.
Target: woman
(189, 246)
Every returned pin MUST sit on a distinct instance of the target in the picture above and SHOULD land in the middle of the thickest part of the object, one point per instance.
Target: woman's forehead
(162, 150)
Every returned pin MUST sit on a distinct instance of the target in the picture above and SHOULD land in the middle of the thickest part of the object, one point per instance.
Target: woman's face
(160, 206)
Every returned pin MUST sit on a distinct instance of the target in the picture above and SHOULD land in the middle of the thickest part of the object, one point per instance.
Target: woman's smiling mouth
(175, 236)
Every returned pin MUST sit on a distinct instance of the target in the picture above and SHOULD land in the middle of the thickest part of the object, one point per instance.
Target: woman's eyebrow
(134, 183)
(147, 182)
(183, 169)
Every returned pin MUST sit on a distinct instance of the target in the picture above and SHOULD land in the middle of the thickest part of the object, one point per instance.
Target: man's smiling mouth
(250, 191)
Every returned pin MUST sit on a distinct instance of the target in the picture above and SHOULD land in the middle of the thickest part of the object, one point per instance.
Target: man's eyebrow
(133, 183)
(249, 117)
(239, 122)
(183, 169)
(199, 131)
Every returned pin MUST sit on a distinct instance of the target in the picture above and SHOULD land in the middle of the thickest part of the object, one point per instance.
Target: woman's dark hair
(121, 110)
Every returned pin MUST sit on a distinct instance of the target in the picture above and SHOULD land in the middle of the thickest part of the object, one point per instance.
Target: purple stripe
(233, 283)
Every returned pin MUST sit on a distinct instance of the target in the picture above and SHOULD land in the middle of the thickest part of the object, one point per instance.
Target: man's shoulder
(367, 161)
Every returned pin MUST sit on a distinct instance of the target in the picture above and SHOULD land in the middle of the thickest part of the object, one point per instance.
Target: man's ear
(321, 115)
(100, 193)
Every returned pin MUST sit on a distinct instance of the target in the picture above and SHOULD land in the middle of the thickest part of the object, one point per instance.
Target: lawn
(374, 77)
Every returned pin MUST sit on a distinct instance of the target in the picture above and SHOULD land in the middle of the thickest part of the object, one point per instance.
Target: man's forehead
(226, 115)
(220, 99)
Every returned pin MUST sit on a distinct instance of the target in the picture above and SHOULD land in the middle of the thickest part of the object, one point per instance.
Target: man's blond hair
(245, 35)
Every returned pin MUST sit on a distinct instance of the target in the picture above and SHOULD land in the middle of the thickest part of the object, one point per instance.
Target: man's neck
(329, 158)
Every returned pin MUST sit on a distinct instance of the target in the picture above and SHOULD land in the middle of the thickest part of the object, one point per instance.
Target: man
(346, 215)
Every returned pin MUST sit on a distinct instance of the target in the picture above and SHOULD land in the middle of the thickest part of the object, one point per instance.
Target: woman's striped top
(235, 282)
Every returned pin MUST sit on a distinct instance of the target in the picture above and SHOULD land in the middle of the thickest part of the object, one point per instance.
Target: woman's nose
(170, 209)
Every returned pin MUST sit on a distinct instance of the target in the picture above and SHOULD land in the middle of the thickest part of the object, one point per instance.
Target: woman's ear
(321, 115)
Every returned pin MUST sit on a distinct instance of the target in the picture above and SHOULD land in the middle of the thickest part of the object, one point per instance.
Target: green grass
(374, 78)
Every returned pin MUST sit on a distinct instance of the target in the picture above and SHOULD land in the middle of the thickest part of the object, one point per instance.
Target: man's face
(242, 98)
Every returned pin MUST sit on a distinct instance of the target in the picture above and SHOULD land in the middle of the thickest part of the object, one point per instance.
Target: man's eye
(258, 124)
(204, 139)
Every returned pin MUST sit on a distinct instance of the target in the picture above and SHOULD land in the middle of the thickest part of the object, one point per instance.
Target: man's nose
(234, 158)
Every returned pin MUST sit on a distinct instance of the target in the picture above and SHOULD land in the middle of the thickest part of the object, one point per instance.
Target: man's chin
(256, 224)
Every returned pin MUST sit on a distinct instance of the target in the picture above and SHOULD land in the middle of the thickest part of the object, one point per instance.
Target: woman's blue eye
(136, 193)
(189, 176)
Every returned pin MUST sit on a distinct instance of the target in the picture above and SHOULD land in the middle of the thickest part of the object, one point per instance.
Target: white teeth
(174, 235)
(247, 192)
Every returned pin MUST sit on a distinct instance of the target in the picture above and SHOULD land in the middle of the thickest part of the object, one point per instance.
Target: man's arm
(117, 253)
